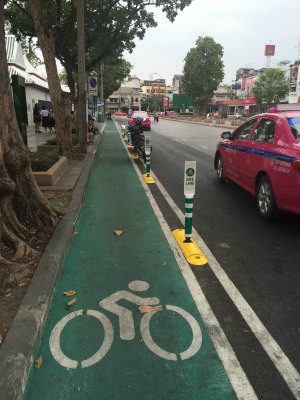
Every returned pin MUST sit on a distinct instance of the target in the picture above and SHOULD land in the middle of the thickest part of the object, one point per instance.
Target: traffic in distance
(146, 122)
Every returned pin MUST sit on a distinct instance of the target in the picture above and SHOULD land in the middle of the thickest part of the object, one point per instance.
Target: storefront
(243, 107)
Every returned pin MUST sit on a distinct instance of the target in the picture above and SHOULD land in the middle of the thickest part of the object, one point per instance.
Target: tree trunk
(60, 100)
(23, 208)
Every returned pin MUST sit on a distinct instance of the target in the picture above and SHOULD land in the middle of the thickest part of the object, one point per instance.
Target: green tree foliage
(203, 71)
(110, 27)
(115, 71)
(151, 104)
(270, 87)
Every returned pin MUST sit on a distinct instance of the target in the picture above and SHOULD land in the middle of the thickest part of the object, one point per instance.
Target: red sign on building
(166, 102)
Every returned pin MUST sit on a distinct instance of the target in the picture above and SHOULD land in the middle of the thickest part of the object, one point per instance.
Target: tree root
(12, 274)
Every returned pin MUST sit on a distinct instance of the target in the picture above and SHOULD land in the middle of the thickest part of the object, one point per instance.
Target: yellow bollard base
(190, 250)
(135, 156)
(148, 178)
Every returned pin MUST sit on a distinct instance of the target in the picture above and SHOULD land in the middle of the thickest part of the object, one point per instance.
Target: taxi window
(243, 132)
(294, 124)
(264, 132)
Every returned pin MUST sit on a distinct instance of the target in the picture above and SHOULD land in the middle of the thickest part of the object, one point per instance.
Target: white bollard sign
(147, 144)
(189, 178)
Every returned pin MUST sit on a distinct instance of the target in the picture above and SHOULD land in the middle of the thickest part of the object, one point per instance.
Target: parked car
(166, 113)
(146, 124)
(262, 156)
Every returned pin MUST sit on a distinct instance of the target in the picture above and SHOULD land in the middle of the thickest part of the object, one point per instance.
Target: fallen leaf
(8, 295)
(118, 232)
(146, 309)
(72, 301)
(165, 263)
(22, 284)
(1, 339)
(69, 293)
(38, 362)
(75, 233)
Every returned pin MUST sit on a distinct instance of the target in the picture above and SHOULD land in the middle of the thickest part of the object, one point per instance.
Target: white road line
(204, 147)
(274, 351)
(235, 372)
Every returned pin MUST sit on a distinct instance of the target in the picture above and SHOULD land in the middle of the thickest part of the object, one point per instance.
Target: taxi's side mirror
(225, 135)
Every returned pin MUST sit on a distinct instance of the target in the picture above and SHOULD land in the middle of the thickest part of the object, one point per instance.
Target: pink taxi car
(263, 156)
(146, 123)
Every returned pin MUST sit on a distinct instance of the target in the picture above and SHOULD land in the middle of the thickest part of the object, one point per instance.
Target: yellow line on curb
(190, 250)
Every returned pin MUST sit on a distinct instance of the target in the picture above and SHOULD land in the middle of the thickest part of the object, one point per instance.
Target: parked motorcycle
(138, 139)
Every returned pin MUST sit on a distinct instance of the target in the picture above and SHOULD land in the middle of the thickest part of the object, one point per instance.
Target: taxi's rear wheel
(265, 198)
(220, 168)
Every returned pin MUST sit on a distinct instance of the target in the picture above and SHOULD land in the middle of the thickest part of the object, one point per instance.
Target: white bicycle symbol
(126, 326)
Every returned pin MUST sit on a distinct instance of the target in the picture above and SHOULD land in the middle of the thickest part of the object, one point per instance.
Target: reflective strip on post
(188, 216)
(148, 164)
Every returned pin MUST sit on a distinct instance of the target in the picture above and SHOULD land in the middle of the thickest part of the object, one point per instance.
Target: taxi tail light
(296, 165)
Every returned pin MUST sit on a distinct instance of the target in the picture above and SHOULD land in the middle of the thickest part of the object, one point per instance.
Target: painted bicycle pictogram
(126, 327)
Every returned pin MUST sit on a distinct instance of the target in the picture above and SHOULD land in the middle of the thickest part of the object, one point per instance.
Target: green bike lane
(104, 346)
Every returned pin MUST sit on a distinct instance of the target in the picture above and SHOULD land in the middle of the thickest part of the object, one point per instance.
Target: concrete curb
(226, 126)
(21, 341)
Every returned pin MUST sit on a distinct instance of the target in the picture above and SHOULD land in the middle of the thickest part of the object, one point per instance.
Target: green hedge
(42, 161)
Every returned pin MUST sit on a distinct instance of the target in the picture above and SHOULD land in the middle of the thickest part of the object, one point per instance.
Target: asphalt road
(253, 278)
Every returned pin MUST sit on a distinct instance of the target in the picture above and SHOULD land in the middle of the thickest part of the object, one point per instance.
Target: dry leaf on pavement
(72, 301)
(1, 339)
(145, 309)
(118, 232)
(69, 293)
(38, 362)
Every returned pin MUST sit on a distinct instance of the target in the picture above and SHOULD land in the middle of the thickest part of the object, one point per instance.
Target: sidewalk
(70, 177)
(36, 139)
(113, 253)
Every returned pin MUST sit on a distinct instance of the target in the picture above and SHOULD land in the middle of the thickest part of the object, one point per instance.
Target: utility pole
(81, 116)
(102, 90)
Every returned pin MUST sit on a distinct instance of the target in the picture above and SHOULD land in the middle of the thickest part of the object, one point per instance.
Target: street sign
(147, 145)
(93, 85)
(99, 102)
(189, 178)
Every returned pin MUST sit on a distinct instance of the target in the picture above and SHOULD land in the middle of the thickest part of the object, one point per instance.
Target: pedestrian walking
(51, 121)
(36, 118)
(45, 118)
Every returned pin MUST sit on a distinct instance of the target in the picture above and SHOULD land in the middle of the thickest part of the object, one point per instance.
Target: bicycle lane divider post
(136, 354)
(183, 237)
(147, 176)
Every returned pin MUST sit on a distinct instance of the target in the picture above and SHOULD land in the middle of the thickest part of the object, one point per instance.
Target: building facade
(36, 85)
(127, 97)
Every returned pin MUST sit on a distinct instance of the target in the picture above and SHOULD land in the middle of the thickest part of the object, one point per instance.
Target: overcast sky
(243, 28)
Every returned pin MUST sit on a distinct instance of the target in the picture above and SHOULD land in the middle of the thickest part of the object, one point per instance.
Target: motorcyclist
(135, 129)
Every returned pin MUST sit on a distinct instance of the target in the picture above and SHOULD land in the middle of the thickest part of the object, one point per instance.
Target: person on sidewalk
(45, 118)
(51, 121)
(36, 118)
(90, 134)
